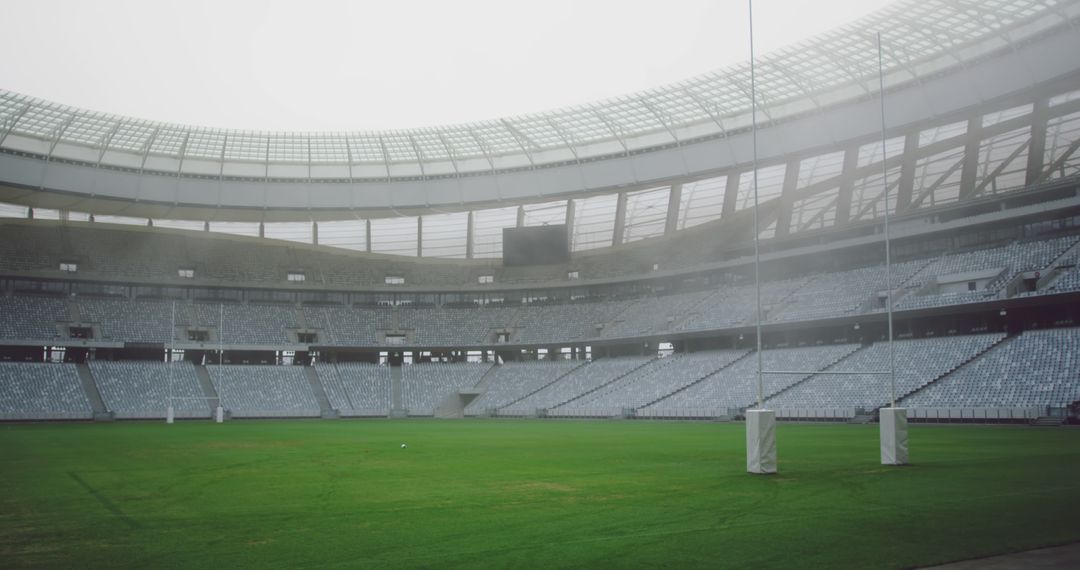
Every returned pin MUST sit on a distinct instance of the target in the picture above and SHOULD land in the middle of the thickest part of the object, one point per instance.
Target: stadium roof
(922, 38)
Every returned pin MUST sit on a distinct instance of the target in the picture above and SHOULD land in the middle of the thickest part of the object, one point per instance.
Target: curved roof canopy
(922, 38)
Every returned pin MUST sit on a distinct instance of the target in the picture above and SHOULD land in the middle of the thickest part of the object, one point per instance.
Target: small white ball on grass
(403, 446)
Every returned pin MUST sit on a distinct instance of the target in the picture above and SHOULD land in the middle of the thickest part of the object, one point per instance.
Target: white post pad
(760, 441)
(894, 444)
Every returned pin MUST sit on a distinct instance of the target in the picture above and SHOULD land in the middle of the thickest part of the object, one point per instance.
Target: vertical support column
(262, 229)
(970, 170)
(367, 235)
(894, 436)
(731, 193)
(620, 219)
(760, 441)
(314, 233)
(673, 203)
(521, 216)
(847, 185)
(1037, 148)
(206, 226)
(419, 236)
(469, 236)
(906, 186)
(570, 223)
(791, 180)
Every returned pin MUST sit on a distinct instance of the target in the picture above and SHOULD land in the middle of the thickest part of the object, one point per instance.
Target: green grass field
(499, 493)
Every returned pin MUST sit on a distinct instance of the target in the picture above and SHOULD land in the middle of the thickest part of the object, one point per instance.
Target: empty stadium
(300, 305)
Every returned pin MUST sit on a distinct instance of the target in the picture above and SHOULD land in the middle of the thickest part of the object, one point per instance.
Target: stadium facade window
(69, 266)
(308, 337)
(186, 273)
(296, 277)
(484, 279)
(395, 280)
(395, 339)
(573, 275)
(196, 335)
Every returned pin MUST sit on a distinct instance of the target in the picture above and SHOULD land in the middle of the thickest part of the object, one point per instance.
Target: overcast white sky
(336, 65)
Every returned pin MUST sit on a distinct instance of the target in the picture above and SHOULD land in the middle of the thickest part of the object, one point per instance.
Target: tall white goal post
(761, 455)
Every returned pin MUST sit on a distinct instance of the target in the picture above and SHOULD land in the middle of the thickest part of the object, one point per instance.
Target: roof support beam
(820, 214)
(183, 151)
(731, 193)
(348, 152)
(566, 139)
(571, 214)
(14, 121)
(671, 223)
(791, 180)
(469, 239)
(989, 179)
(907, 172)
(106, 141)
(419, 236)
(59, 134)
(146, 148)
(1061, 160)
(450, 153)
(929, 190)
(664, 122)
(846, 186)
(419, 156)
(617, 235)
(522, 141)
(1037, 153)
(483, 148)
(614, 131)
(386, 157)
(971, 158)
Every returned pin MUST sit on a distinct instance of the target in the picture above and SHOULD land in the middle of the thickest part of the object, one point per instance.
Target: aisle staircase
(101, 414)
(325, 409)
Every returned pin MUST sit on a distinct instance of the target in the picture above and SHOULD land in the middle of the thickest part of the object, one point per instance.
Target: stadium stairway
(1001, 342)
(1060, 266)
(482, 383)
(453, 406)
(74, 315)
(691, 312)
(822, 371)
(207, 386)
(615, 379)
(564, 375)
(97, 404)
(698, 381)
(396, 399)
(326, 410)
